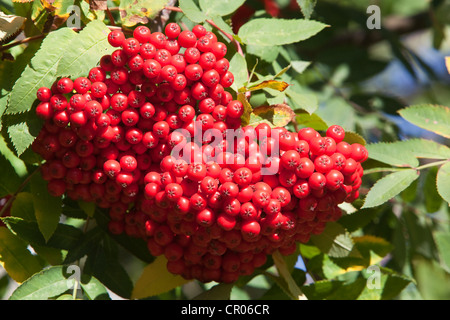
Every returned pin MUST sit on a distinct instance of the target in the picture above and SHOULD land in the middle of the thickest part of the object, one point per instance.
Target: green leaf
(93, 288)
(353, 137)
(395, 154)
(433, 200)
(48, 283)
(156, 279)
(274, 32)
(220, 291)
(85, 244)
(320, 290)
(221, 8)
(238, 66)
(443, 244)
(41, 72)
(21, 136)
(64, 237)
(284, 272)
(406, 153)
(434, 118)
(307, 7)
(303, 101)
(443, 181)
(191, 11)
(135, 246)
(23, 207)
(15, 257)
(300, 66)
(86, 49)
(47, 207)
(432, 280)
(107, 269)
(334, 241)
(389, 186)
(306, 119)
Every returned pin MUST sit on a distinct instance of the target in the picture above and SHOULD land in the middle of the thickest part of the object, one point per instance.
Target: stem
(428, 165)
(19, 42)
(110, 17)
(432, 164)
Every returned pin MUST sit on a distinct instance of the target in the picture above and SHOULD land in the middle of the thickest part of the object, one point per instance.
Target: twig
(110, 17)
(19, 42)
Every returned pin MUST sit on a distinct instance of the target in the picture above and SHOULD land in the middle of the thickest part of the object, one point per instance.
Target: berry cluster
(146, 136)
(238, 204)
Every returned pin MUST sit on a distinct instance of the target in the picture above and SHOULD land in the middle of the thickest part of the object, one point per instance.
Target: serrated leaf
(20, 136)
(156, 279)
(389, 186)
(221, 8)
(133, 12)
(86, 49)
(307, 7)
(334, 241)
(10, 26)
(41, 72)
(46, 284)
(47, 207)
(15, 257)
(433, 118)
(238, 66)
(278, 115)
(274, 32)
(443, 182)
(191, 11)
(353, 137)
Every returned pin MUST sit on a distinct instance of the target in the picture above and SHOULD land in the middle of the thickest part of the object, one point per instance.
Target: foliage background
(344, 74)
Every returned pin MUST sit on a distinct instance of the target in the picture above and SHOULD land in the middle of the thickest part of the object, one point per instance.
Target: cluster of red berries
(237, 205)
(145, 136)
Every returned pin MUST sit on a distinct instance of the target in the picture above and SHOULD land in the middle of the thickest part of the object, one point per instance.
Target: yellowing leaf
(156, 279)
(279, 115)
(245, 118)
(271, 84)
